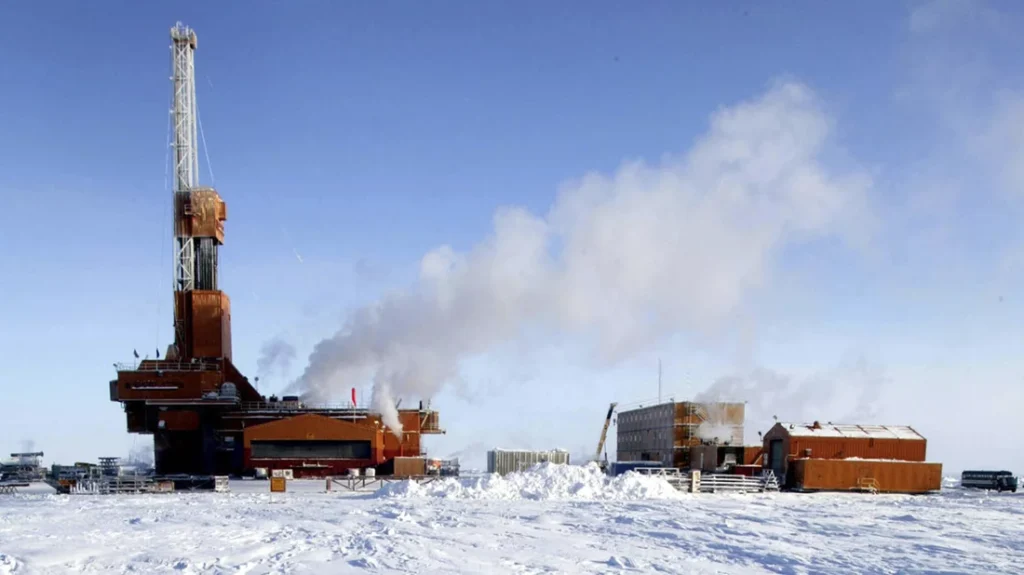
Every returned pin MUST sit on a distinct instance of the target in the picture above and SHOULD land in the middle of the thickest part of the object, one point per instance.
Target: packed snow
(542, 482)
(552, 519)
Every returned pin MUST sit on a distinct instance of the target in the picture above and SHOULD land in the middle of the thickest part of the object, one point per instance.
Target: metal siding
(409, 466)
(846, 474)
(753, 455)
(501, 461)
(209, 309)
(863, 448)
(315, 427)
(847, 447)
(208, 214)
(179, 420)
(316, 449)
(176, 384)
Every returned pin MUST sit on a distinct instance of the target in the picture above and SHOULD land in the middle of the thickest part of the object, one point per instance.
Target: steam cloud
(848, 393)
(275, 354)
(621, 260)
(141, 455)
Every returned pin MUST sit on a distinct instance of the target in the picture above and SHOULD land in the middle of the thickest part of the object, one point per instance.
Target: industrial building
(879, 458)
(502, 461)
(23, 467)
(205, 416)
(667, 431)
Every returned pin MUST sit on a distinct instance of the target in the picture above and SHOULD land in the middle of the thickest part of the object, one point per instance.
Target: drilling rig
(204, 415)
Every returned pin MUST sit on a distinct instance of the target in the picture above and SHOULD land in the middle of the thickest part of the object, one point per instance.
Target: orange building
(883, 458)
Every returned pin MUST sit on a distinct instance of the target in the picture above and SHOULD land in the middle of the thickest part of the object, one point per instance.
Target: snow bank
(540, 482)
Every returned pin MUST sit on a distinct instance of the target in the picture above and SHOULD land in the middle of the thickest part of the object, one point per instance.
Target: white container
(288, 474)
(353, 472)
(220, 484)
(370, 472)
(502, 461)
(261, 473)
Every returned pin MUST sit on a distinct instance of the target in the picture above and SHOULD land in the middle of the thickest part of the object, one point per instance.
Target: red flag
(353, 397)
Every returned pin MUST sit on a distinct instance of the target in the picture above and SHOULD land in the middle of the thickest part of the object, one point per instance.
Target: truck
(998, 480)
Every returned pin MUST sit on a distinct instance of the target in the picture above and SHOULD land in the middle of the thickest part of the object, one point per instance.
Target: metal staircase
(868, 485)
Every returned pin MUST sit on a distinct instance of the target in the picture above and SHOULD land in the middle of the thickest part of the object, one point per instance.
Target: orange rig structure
(204, 415)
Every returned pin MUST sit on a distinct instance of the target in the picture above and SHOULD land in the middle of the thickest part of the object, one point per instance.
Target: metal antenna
(659, 380)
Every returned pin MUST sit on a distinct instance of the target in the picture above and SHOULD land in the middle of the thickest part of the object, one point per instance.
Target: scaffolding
(666, 432)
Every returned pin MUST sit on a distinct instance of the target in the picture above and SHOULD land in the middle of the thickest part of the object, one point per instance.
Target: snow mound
(540, 482)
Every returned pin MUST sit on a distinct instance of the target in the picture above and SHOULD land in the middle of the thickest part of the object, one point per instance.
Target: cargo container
(787, 441)
(278, 484)
(620, 467)
(502, 461)
(882, 476)
(409, 466)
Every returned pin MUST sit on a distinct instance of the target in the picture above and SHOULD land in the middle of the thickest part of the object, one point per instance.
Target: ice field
(554, 520)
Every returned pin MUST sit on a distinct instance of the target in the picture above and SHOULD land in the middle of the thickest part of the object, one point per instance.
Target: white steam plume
(848, 393)
(621, 260)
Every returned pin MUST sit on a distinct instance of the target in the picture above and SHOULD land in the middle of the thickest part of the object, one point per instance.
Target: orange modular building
(887, 458)
(204, 415)
(864, 474)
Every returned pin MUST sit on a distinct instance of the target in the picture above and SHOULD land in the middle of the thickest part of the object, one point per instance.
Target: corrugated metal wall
(502, 461)
(847, 474)
(845, 447)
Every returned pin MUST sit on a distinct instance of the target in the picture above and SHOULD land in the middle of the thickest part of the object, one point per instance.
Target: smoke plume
(619, 260)
(276, 354)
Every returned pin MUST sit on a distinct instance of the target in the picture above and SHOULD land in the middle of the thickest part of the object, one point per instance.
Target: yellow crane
(604, 432)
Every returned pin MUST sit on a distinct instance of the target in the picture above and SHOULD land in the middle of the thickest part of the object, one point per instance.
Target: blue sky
(350, 140)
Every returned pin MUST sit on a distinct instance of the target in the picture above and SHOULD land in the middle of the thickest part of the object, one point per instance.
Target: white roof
(852, 431)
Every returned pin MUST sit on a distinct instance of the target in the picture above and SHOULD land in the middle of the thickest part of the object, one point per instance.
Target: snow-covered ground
(554, 520)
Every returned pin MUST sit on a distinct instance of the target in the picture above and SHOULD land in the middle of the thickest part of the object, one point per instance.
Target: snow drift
(541, 482)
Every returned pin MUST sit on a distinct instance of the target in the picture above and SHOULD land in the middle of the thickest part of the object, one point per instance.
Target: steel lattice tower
(199, 215)
(186, 148)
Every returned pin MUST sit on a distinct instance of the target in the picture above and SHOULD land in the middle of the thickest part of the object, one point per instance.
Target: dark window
(310, 449)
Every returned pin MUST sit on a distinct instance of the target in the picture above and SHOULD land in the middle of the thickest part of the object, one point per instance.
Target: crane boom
(604, 430)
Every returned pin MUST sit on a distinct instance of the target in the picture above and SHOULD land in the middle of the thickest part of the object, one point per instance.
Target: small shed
(787, 441)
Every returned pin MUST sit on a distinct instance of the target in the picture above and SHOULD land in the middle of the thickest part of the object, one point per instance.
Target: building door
(776, 458)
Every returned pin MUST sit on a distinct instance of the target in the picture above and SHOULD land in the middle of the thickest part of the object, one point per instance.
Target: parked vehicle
(998, 480)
